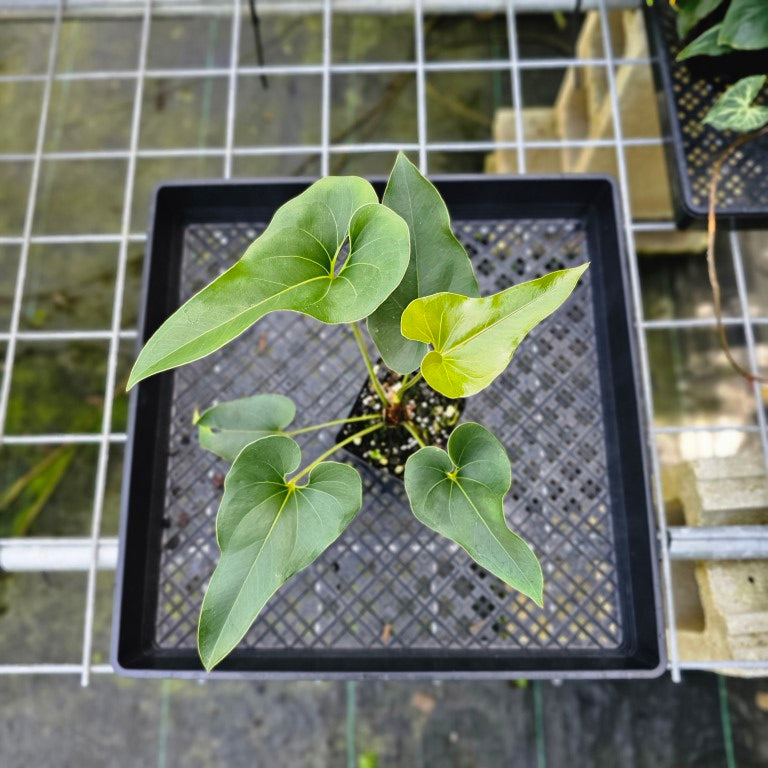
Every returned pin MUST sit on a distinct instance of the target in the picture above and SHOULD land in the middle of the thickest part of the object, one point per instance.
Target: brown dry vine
(711, 230)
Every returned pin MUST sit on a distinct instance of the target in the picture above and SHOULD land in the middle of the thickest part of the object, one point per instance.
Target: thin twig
(457, 106)
(711, 229)
(256, 26)
(366, 123)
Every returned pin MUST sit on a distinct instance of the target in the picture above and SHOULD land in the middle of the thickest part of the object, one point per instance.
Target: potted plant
(722, 52)
(392, 596)
(339, 255)
(712, 70)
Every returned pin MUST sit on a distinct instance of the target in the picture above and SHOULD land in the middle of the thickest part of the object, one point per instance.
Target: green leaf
(474, 339)
(368, 760)
(438, 263)
(268, 529)
(745, 25)
(460, 495)
(691, 12)
(735, 111)
(294, 265)
(705, 44)
(226, 428)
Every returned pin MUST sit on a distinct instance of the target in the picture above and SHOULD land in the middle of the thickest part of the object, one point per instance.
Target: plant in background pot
(729, 29)
(337, 254)
(727, 37)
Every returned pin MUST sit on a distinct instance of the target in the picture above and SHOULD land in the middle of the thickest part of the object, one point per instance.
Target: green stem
(404, 380)
(335, 422)
(414, 433)
(415, 380)
(368, 364)
(323, 456)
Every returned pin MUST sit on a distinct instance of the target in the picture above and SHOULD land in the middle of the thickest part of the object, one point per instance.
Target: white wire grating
(420, 67)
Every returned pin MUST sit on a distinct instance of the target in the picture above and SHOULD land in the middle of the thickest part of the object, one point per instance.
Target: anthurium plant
(339, 255)
(723, 28)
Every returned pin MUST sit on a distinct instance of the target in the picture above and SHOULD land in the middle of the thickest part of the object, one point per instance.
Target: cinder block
(538, 124)
(732, 596)
(724, 491)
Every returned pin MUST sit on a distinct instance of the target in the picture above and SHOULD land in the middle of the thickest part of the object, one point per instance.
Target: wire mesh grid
(390, 582)
(230, 74)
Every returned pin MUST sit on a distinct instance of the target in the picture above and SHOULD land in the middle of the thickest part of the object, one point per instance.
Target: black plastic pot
(391, 597)
(433, 414)
(686, 91)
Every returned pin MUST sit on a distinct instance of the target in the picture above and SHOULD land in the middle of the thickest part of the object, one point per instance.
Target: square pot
(391, 597)
(434, 414)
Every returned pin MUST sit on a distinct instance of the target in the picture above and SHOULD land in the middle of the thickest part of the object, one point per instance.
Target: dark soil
(433, 415)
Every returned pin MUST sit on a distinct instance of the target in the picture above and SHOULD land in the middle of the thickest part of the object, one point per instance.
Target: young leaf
(745, 25)
(269, 529)
(438, 263)
(735, 111)
(691, 12)
(292, 266)
(705, 44)
(460, 495)
(226, 428)
(474, 339)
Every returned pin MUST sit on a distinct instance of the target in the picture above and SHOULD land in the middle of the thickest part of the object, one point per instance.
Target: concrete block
(538, 124)
(724, 491)
(730, 596)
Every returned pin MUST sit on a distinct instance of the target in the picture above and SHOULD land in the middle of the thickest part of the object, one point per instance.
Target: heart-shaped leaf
(268, 529)
(745, 25)
(691, 12)
(706, 44)
(294, 265)
(226, 428)
(473, 340)
(438, 263)
(734, 110)
(460, 495)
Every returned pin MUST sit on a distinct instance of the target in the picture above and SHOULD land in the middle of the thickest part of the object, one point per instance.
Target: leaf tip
(537, 591)
(207, 652)
(401, 156)
(576, 273)
(133, 379)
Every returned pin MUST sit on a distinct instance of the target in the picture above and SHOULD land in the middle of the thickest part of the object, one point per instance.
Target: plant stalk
(407, 385)
(364, 352)
(323, 456)
(335, 422)
(414, 433)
